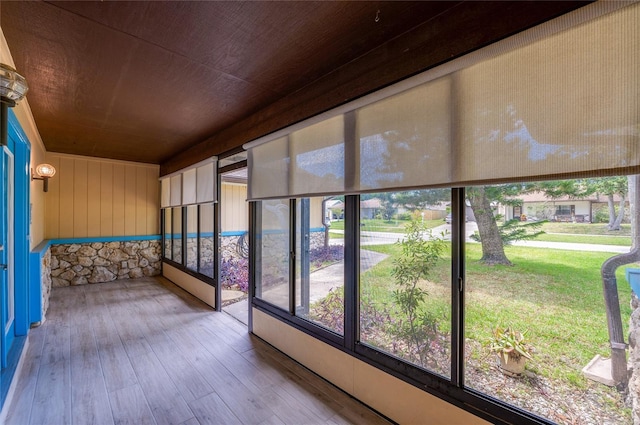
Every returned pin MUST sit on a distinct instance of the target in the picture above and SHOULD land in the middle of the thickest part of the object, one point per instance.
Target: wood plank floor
(145, 352)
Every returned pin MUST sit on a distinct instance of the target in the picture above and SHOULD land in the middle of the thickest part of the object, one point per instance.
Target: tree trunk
(492, 247)
(618, 221)
(612, 211)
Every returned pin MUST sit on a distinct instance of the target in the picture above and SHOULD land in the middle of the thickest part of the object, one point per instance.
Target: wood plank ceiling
(172, 83)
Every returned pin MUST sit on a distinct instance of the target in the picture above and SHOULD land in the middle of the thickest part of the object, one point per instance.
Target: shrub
(322, 256)
(234, 272)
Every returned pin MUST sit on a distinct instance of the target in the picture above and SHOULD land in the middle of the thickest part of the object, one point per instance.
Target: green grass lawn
(589, 239)
(585, 229)
(554, 295)
(585, 233)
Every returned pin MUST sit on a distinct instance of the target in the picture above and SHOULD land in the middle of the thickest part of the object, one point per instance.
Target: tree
(481, 198)
(418, 258)
(611, 186)
(387, 203)
(420, 199)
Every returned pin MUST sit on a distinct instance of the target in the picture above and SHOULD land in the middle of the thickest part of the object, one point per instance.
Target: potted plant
(512, 349)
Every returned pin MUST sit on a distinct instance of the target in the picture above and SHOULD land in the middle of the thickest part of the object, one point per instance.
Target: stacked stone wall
(98, 262)
(45, 279)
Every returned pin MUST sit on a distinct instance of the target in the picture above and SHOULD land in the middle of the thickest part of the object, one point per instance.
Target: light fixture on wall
(13, 87)
(44, 172)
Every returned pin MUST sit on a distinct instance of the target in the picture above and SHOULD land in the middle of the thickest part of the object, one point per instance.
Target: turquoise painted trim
(15, 128)
(105, 239)
(232, 233)
(22, 179)
(18, 143)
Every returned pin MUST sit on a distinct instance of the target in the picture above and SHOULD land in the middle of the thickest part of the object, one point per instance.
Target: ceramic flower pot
(513, 367)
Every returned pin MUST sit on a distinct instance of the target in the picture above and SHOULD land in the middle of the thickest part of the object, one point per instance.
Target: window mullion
(458, 212)
(351, 271)
(183, 240)
(292, 256)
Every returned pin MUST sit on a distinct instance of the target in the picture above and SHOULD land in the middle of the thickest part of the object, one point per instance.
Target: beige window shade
(569, 103)
(206, 183)
(405, 140)
(176, 190)
(317, 158)
(268, 169)
(193, 185)
(165, 193)
(566, 104)
(189, 187)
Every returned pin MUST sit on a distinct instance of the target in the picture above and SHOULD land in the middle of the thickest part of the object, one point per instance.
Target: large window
(544, 299)
(167, 250)
(405, 277)
(192, 238)
(176, 235)
(535, 314)
(319, 265)
(272, 277)
(314, 256)
(188, 205)
(206, 237)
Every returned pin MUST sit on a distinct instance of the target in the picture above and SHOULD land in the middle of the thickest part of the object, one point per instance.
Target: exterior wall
(47, 284)
(546, 210)
(392, 397)
(92, 197)
(234, 208)
(98, 262)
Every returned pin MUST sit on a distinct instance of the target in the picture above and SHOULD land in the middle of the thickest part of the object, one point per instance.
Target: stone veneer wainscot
(98, 262)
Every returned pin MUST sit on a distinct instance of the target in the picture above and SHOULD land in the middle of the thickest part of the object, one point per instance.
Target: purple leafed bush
(325, 255)
(234, 273)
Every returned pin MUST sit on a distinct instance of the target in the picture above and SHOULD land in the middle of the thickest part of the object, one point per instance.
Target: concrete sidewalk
(321, 282)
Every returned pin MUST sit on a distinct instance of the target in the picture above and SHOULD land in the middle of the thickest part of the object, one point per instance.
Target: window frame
(182, 266)
(450, 389)
(288, 316)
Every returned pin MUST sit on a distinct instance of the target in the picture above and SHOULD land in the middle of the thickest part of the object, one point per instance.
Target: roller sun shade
(566, 103)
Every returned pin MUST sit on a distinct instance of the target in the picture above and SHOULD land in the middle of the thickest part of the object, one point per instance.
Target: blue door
(7, 282)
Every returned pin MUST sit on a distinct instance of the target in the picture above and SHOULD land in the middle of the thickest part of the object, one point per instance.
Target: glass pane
(405, 276)
(234, 240)
(272, 274)
(166, 253)
(177, 234)
(192, 237)
(319, 265)
(533, 282)
(206, 240)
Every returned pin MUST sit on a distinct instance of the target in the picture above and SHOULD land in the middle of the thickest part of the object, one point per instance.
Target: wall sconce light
(13, 87)
(44, 172)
